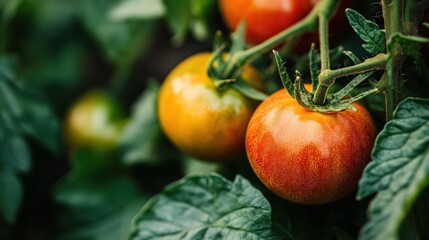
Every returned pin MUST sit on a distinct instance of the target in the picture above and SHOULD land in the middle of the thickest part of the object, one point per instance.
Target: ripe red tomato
(264, 18)
(199, 119)
(94, 121)
(308, 157)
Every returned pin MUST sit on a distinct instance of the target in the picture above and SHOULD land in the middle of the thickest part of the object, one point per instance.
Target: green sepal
(284, 76)
(222, 84)
(249, 91)
(218, 64)
(332, 105)
(352, 57)
(349, 87)
(238, 39)
(303, 97)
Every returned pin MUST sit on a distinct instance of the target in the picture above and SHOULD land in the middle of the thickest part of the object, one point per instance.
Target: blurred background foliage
(52, 52)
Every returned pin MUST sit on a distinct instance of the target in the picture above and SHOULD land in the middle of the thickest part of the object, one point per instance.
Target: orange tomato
(201, 120)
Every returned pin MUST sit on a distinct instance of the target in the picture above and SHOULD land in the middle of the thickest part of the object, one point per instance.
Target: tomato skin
(94, 121)
(200, 120)
(264, 18)
(308, 157)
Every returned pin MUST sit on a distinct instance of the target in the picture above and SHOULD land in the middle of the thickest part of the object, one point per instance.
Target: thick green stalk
(393, 20)
(388, 99)
(321, 92)
(327, 77)
(324, 42)
(377, 62)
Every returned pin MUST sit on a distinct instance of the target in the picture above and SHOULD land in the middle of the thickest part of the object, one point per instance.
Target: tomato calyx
(219, 67)
(335, 102)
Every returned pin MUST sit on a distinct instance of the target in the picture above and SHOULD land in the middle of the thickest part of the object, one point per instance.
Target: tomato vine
(318, 18)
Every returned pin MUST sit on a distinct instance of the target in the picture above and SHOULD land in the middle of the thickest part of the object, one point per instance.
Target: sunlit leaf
(143, 140)
(205, 207)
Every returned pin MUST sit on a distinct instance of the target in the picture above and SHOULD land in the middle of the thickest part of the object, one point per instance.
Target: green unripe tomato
(94, 121)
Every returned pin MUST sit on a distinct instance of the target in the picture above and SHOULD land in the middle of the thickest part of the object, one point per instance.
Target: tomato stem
(327, 77)
(388, 93)
(324, 42)
(323, 87)
(393, 17)
(242, 57)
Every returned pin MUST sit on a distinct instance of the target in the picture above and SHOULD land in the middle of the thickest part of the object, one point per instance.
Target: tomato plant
(308, 157)
(200, 119)
(190, 134)
(95, 121)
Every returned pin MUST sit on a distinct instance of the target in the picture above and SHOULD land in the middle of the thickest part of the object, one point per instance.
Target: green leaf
(22, 112)
(368, 31)
(399, 170)
(111, 227)
(137, 9)
(58, 71)
(143, 140)
(99, 210)
(205, 207)
(14, 151)
(120, 41)
(29, 112)
(190, 15)
(10, 194)
(103, 195)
